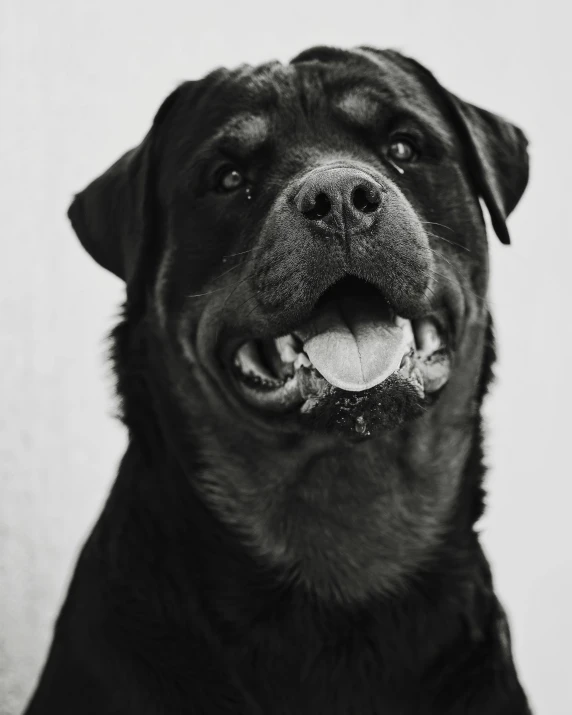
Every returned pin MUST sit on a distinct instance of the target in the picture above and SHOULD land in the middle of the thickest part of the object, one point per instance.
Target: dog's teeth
(286, 348)
(427, 336)
(246, 356)
(248, 361)
(406, 362)
(407, 328)
(302, 360)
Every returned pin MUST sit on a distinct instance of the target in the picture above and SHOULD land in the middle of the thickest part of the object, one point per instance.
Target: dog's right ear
(111, 215)
(108, 216)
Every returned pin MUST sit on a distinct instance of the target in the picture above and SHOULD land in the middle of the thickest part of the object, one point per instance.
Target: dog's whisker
(241, 253)
(215, 290)
(447, 240)
(234, 288)
(431, 291)
(421, 270)
(485, 300)
(218, 290)
(432, 273)
(250, 297)
(439, 255)
(434, 223)
(200, 295)
(232, 268)
(254, 307)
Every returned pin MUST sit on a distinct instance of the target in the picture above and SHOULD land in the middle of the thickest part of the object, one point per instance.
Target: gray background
(79, 84)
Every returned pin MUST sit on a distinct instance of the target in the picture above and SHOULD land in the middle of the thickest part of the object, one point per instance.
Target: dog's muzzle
(341, 275)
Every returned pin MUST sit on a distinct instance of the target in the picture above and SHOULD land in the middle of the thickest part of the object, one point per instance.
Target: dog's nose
(339, 198)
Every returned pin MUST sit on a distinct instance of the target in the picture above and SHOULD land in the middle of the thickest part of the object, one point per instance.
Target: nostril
(366, 200)
(320, 208)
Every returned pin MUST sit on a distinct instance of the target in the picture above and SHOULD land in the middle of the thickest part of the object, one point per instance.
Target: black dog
(305, 348)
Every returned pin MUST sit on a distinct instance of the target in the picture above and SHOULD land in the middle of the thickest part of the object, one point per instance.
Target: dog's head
(305, 253)
(309, 236)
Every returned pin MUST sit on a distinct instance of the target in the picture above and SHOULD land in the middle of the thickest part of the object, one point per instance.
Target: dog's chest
(342, 698)
(344, 689)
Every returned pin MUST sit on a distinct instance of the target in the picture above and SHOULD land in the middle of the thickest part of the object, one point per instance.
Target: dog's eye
(230, 179)
(402, 150)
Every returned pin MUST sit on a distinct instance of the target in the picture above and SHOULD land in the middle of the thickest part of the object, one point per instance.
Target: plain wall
(79, 84)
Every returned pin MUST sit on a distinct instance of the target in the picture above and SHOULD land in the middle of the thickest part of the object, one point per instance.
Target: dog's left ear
(497, 156)
(111, 216)
(496, 151)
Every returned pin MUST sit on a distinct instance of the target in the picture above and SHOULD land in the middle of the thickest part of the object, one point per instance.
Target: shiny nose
(339, 198)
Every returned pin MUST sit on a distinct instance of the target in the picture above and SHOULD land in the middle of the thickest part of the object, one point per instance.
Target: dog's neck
(204, 578)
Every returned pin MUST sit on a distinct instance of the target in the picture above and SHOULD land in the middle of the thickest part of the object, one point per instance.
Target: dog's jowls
(305, 347)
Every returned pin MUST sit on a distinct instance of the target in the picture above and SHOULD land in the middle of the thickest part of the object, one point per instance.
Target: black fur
(254, 565)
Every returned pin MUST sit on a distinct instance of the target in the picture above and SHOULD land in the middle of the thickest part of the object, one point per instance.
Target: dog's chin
(314, 404)
(359, 415)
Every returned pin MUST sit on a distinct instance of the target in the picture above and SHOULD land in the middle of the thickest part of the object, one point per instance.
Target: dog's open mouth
(352, 342)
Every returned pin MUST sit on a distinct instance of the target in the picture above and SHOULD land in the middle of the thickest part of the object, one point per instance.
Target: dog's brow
(360, 107)
(365, 109)
(247, 130)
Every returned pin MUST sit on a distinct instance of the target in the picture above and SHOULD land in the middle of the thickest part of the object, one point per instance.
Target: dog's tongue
(354, 343)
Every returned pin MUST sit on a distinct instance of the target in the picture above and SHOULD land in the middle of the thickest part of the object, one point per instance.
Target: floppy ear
(111, 216)
(497, 156)
(496, 151)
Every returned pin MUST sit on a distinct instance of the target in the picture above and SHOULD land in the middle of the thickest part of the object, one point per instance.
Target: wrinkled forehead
(250, 106)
